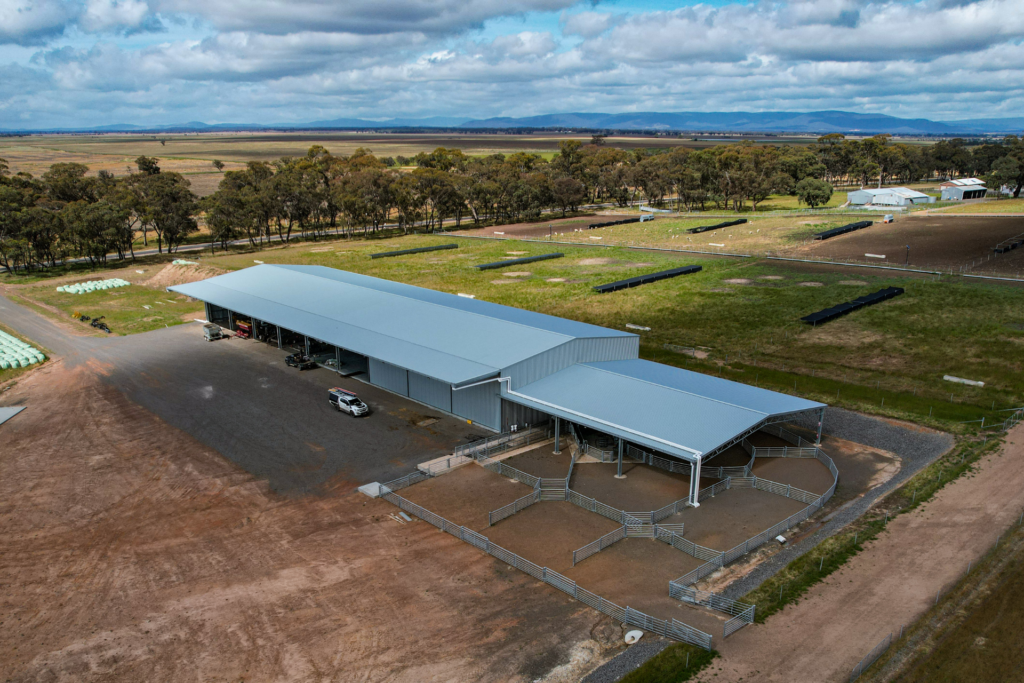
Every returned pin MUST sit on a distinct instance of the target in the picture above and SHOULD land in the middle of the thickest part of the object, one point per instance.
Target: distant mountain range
(685, 122)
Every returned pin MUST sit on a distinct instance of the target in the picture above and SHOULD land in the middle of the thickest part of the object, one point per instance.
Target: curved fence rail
(673, 629)
(815, 504)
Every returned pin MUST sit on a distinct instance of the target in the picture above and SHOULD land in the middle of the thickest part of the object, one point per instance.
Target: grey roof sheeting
(447, 337)
(668, 409)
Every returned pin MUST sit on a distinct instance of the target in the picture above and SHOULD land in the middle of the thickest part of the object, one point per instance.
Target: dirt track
(935, 241)
(129, 551)
(892, 582)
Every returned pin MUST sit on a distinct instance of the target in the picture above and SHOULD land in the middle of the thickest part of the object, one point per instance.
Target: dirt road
(130, 551)
(891, 583)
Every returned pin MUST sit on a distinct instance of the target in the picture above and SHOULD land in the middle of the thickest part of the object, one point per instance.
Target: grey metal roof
(447, 337)
(668, 409)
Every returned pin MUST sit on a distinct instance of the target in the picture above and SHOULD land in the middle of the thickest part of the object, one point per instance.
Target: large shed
(495, 365)
(963, 188)
(888, 196)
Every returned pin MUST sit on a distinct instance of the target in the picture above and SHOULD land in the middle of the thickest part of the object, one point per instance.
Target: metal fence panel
(876, 652)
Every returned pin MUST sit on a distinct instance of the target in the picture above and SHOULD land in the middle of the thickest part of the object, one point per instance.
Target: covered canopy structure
(498, 366)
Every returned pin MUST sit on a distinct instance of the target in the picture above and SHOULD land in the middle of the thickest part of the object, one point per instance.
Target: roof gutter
(696, 454)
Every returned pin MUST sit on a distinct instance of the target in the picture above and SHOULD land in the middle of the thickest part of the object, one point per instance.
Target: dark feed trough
(518, 261)
(646, 279)
(403, 252)
(706, 228)
(827, 314)
(622, 222)
(835, 232)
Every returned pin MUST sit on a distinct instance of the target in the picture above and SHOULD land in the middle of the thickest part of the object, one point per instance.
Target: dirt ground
(130, 551)
(546, 533)
(644, 489)
(555, 226)
(890, 583)
(542, 462)
(935, 241)
(733, 516)
(635, 572)
(466, 495)
(803, 473)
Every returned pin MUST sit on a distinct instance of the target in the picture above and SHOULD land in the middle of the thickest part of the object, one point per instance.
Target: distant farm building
(964, 188)
(888, 196)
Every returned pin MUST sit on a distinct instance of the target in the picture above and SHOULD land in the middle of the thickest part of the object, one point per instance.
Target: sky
(76, 63)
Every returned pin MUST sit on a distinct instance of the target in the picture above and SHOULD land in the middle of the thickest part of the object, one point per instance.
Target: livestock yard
(544, 467)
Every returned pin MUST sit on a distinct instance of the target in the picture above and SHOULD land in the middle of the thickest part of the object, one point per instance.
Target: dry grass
(996, 206)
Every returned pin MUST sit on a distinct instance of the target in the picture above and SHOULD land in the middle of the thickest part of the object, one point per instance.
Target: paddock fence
(495, 516)
(506, 441)
(815, 503)
(742, 613)
(597, 546)
(600, 508)
(671, 628)
(509, 472)
(871, 657)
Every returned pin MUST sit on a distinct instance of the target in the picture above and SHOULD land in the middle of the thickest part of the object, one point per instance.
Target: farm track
(892, 582)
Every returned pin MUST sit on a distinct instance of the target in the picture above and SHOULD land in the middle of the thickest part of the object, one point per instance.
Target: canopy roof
(675, 411)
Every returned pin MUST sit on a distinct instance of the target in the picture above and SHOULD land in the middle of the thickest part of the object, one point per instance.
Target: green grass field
(887, 359)
(124, 309)
(746, 314)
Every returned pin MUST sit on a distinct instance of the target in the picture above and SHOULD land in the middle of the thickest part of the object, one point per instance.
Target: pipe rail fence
(597, 546)
(512, 508)
(742, 613)
(667, 628)
(506, 441)
(815, 503)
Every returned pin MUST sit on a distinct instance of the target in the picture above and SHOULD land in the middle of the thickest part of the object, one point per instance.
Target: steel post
(619, 475)
(558, 425)
(821, 420)
(279, 345)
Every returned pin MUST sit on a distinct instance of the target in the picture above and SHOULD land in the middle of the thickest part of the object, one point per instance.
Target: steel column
(279, 345)
(307, 344)
(558, 436)
(619, 475)
(695, 483)
(821, 420)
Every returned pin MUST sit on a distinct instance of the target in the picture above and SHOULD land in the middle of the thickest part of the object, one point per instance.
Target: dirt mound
(180, 275)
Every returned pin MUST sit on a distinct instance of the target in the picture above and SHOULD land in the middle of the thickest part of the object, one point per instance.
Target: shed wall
(570, 353)
(481, 404)
(430, 391)
(390, 377)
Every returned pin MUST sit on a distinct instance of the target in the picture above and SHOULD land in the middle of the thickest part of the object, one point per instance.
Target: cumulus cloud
(255, 62)
(587, 24)
(30, 22)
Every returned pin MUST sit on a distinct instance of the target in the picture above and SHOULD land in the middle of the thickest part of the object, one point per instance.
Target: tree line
(67, 214)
